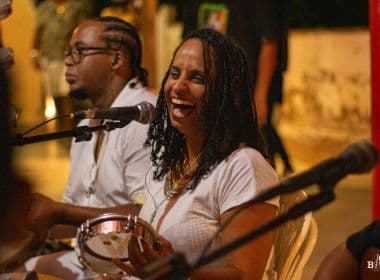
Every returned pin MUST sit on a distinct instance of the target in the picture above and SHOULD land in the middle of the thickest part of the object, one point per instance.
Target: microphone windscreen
(365, 156)
(147, 112)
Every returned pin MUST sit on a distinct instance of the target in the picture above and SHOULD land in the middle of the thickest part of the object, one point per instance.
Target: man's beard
(78, 94)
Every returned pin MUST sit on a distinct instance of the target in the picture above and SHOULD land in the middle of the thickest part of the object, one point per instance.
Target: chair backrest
(294, 240)
(305, 250)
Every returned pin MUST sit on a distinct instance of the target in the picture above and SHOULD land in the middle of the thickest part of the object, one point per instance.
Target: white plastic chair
(305, 250)
(294, 241)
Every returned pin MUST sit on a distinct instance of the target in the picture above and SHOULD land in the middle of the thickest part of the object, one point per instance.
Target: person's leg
(278, 147)
(267, 132)
(275, 141)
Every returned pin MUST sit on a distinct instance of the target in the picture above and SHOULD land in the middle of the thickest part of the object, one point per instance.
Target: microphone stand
(176, 267)
(81, 133)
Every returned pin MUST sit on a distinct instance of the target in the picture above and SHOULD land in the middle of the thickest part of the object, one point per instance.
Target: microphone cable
(45, 122)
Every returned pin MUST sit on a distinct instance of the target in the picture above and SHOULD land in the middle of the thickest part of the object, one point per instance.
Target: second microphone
(143, 112)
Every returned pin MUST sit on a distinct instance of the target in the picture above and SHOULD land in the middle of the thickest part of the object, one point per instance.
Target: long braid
(121, 34)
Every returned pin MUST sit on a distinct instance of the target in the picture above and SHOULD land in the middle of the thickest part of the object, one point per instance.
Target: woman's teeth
(177, 101)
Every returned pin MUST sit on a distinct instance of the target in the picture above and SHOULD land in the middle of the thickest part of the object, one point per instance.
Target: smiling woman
(208, 159)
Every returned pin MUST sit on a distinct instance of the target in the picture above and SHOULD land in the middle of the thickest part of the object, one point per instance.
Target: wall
(168, 36)
(327, 89)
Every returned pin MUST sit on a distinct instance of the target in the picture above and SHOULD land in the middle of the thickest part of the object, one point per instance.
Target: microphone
(143, 112)
(357, 158)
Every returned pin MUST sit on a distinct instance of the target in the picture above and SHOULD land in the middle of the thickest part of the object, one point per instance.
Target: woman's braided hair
(227, 113)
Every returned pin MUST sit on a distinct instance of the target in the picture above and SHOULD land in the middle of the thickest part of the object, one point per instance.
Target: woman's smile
(181, 108)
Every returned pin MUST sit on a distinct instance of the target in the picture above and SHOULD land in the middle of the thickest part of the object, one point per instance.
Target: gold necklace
(176, 181)
(189, 163)
(174, 186)
(169, 194)
(180, 177)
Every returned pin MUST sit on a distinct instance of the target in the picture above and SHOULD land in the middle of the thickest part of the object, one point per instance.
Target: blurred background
(326, 104)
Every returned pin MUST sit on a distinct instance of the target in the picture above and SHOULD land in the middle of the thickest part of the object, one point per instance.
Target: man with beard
(107, 172)
(103, 64)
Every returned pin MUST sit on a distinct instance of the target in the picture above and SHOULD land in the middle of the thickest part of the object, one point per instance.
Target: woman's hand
(141, 254)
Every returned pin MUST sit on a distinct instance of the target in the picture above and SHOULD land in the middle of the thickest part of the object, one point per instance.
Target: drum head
(110, 245)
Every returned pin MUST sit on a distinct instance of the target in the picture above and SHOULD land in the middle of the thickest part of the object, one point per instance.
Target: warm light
(50, 110)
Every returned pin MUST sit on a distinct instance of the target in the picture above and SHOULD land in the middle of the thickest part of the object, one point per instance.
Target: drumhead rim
(104, 216)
